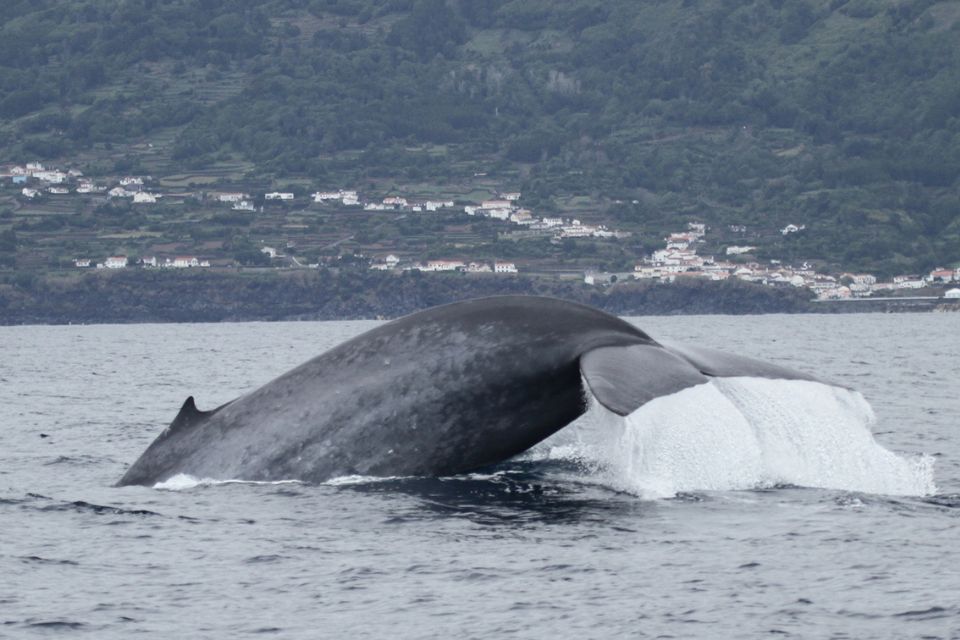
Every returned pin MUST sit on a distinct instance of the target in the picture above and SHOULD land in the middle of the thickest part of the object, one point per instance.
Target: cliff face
(216, 297)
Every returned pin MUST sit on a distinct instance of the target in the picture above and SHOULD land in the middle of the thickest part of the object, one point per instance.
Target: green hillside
(843, 116)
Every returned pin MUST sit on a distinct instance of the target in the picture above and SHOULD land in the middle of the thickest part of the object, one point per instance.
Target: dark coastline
(209, 296)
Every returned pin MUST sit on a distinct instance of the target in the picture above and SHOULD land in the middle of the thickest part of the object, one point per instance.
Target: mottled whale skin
(439, 392)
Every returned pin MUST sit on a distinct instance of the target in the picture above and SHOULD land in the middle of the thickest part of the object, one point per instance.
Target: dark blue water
(695, 519)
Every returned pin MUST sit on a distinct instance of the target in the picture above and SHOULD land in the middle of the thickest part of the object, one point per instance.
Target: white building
(522, 217)
(394, 201)
(270, 251)
(120, 192)
(142, 197)
(129, 181)
(82, 263)
(504, 267)
(911, 284)
(346, 196)
(792, 228)
(52, 177)
(576, 230)
(183, 262)
(232, 197)
(29, 193)
(387, 264)
(738, 251)
(687, 238)
(115, 262)
(150, 261)
(952, 294)
(278, 195)
(479, 267)
(861, 278)
(436, 205)
(746, 273)
(89, 187)
(243, 205)
(941, 275)
(443, 265)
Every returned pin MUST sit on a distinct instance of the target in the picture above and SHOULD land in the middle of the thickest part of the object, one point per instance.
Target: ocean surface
(743, 508)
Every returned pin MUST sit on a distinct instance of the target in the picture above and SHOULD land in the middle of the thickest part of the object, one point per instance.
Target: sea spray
(742, 433)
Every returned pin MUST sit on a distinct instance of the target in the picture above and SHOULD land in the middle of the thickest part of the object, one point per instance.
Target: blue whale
(439, 392)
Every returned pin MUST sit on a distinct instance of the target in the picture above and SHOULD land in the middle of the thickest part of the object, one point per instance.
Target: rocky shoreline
(136, 297)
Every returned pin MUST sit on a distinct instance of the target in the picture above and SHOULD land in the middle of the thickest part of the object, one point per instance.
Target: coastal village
(679, 258)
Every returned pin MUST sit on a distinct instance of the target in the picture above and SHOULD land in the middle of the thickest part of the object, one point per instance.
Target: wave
(346, 481)
(741, 434)
(184, 481)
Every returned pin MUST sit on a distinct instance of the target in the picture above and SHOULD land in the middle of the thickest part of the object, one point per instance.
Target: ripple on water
(931, 613)
(542, 547)
(55, 625)
(98, 509)
(47, 561)
(265, 559)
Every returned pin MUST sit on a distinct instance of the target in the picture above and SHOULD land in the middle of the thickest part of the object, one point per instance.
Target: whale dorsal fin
(187, 416)
(189, 408)
(623, 379)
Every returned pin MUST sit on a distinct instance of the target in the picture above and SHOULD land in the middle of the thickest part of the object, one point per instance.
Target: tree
(431, 28)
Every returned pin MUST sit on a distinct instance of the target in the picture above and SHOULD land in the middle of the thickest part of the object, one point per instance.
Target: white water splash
(742, 433)
(184, 481)
(342, 481)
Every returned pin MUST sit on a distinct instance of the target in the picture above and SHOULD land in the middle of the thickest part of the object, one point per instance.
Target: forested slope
(843, 116)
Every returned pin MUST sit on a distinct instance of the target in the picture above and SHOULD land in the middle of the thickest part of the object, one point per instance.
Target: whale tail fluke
(719, 364)
(623, 379)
